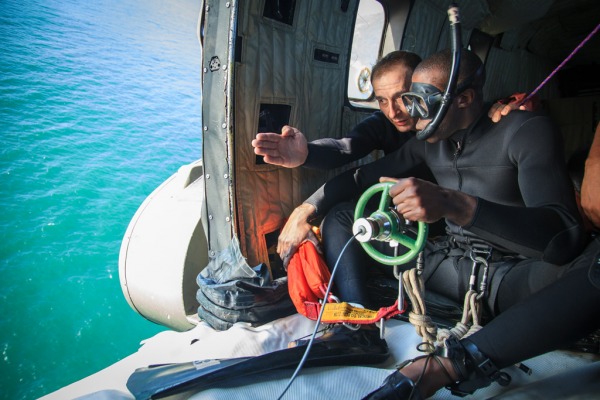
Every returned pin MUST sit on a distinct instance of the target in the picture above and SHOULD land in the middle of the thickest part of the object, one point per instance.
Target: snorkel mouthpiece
(450, 89)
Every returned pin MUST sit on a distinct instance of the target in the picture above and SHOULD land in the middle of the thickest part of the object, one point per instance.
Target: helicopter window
(368, 32)
(280, 10)
(271, 118)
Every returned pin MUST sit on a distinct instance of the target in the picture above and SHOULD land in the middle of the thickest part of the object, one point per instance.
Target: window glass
(368, 33)
(280, 10)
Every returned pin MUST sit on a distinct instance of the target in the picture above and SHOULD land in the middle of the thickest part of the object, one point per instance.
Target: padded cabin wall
(577, 118)
(277, 66)
(514, 71)
(510, 69)
(424, 28)
(427, 30)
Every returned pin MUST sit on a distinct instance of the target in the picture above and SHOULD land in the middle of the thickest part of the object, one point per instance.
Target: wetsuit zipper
(456, 155)
(455, 164)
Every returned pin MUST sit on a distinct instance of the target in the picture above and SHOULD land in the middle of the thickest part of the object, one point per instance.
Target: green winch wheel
(414, 245)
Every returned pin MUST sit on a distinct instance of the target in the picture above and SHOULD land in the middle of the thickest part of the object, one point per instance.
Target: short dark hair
(393, 59)
(471, 67)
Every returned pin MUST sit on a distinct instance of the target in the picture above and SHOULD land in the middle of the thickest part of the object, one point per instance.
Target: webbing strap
(346, 313)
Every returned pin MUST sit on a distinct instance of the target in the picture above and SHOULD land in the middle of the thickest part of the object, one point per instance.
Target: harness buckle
(481, 250)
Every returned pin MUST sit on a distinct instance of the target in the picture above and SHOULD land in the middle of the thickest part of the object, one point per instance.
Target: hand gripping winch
(385, 224)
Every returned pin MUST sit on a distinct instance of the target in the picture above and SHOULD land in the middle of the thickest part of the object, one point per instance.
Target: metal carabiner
(484, 278)
(474, 270)
(478, 260)
(420, 264)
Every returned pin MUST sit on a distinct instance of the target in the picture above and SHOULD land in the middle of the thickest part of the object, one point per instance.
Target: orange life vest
(307, 276)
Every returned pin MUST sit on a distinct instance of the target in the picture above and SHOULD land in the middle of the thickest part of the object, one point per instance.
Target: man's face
(388, 87)
(442, 132)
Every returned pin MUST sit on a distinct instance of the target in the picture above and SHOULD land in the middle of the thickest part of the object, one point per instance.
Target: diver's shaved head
(440, 64)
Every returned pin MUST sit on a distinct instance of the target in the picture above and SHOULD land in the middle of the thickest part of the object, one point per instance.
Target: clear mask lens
(422, 101)
(416, 106)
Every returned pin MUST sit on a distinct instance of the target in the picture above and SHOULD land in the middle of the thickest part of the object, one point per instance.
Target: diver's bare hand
(289, 149)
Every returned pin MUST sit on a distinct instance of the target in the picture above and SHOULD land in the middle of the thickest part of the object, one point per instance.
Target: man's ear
(465, 98)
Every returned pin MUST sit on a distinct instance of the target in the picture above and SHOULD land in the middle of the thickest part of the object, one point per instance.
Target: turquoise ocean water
(99, 103)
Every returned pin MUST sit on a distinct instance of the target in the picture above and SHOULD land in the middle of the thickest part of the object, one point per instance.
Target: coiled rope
(471, 317)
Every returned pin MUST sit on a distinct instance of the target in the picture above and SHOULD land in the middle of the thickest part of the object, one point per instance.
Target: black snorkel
(456, 43)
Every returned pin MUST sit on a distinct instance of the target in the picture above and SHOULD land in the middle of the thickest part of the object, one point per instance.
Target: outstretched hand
(288, 150)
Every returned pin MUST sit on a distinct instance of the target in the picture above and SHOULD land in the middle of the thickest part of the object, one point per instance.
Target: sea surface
(99, 104)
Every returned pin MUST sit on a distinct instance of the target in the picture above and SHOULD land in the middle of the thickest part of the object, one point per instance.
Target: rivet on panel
(225, 176)
(207, 176)
(206, 128)
(210, 217)
(224, 125)
(227, 219)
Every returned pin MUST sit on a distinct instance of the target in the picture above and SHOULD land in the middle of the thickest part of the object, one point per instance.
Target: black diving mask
(423, 100)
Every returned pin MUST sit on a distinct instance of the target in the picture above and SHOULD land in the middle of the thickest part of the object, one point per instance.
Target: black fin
(165, 380)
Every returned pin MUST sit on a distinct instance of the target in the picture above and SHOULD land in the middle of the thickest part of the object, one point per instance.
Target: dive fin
(147, 381)
(165, 380)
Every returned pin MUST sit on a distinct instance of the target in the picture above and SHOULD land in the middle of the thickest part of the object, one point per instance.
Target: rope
(468, 325)
(415, 289)
(471, 316)
(584, 41)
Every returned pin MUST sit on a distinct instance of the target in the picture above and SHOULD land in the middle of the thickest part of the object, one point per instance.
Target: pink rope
(584, 41)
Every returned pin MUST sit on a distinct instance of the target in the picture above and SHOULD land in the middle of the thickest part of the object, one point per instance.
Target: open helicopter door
(279, 63)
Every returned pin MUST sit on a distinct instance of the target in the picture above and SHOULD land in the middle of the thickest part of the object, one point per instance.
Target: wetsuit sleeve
(352, 183)
(373, 133)
(548, 226)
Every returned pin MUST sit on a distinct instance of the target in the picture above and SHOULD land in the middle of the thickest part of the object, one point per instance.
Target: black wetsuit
(526, 209)
(375, 132)
(557, 315)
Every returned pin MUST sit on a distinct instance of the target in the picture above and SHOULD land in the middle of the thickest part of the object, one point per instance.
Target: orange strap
(344, 312)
